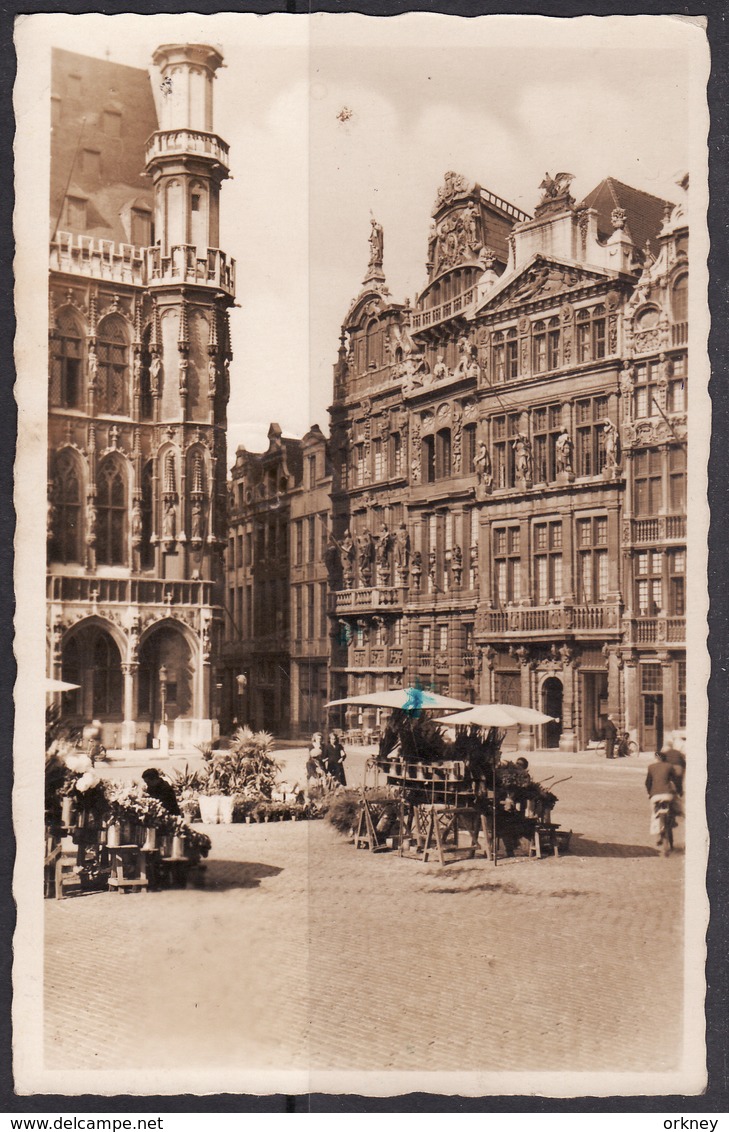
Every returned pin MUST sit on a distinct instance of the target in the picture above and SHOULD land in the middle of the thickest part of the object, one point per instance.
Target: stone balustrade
(188, 142)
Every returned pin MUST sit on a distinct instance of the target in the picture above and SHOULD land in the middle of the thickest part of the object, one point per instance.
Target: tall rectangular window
(323, 619)
(591, 414)
(299, 556)
(645, 389)
(505, 430)
(648, 583)
(379, 460)
(428, 459)
(592, 559)
(311, 538)
(648, 481)
(546, 427)
(677, 583)
(547, 561)
(677, 479)
(507, 564)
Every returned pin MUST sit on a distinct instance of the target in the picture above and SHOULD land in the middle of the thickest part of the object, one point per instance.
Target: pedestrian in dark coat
(337, 755)
(611, 735)
(159, 788)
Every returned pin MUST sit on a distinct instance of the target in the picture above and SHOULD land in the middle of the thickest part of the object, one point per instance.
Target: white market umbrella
(496, 715)
(404, 699)
(59, 686)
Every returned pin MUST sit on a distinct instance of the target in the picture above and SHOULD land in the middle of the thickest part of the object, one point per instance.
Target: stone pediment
(539, 280)
(369, 304)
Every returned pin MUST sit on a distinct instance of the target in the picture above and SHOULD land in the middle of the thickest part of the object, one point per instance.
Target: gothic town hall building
(139, 356)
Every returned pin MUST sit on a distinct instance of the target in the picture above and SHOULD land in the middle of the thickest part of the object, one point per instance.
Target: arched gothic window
(113, 375)
(107, 677)
(66, 362)
(111, 504)
(679, 299)
(67, 501)
(146, 550)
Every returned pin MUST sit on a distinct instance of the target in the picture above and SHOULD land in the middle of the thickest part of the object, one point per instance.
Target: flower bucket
(210, 809)
(113, 837)
(225, 808)
(66, 810)
(178, 848)
(150, 841)
(248, 819)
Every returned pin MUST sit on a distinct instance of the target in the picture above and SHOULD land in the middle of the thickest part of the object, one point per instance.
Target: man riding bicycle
(664, 784)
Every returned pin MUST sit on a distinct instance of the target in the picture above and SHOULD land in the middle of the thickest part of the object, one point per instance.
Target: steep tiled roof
(83, 89)
(644, 211)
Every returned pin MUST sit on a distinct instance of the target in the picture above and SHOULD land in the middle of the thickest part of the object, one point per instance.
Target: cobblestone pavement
(303, 952)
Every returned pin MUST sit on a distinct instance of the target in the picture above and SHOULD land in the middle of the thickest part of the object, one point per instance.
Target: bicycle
(665, 816)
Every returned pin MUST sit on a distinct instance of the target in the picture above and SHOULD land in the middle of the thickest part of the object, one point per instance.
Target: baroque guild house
(509, 459)
(139, 383)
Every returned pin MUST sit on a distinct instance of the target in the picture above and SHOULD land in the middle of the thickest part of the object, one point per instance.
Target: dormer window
(75, 212)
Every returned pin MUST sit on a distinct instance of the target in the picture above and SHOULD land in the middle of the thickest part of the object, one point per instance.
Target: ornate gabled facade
(258, 621)
(486, 447)
(139, 384)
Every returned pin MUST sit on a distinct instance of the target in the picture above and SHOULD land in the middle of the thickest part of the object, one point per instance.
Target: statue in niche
(665, 370)
(50, 519)
(169, 520)
(184, 363)
(612, 442)
(155, 370)
(136, 522)
(432, 565)
(416, 569)
(91, 517)
(196, 520)
(347, 557)
(137, 373)
(627, 379)
(93, 368)
(563, 452)
(212, 377)
(457, 564)
(523, 457)
(366, 548)
(383, 545)
(482, 466)
(402, 548)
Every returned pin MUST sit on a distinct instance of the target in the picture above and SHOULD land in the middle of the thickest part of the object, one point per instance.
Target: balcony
(366, 598)
(184, 265)
(191, 143)
(658, 529)
(456, 305)
(127, 591)
(377, 656)
(124, 263)
(657, 630)
(98, 259)
(550, 619)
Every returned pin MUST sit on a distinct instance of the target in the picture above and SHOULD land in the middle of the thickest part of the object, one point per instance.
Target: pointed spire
(197, 475)
(170, 473)
(183, 336)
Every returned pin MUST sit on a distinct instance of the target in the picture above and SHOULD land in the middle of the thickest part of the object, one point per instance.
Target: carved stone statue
(612, 442)
(91, 517)
(196, 520)
(416, 569)
(169, 520)
(665, 370)
(482, 466)
(440, 369)
(155, 370)
(627, 379)
(402, 549)
(137, 373)
(212, 377)
(184, 363)
(136, 522)
(563, 452)
(376, 241)
(50, 519)
(347, 557)
(523, 457)
(383, 545)
(93, 363)
(366, 549)
(457, 564)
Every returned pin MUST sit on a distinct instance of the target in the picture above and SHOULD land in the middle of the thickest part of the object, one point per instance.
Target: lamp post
(241, 682)
(164, 736)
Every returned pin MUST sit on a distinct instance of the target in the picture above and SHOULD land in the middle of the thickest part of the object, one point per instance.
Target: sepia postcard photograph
(361, 555)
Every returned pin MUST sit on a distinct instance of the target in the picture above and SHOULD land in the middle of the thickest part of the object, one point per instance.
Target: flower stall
(102, 834)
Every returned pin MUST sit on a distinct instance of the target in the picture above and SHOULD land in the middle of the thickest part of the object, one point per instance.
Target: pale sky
(501, 99)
